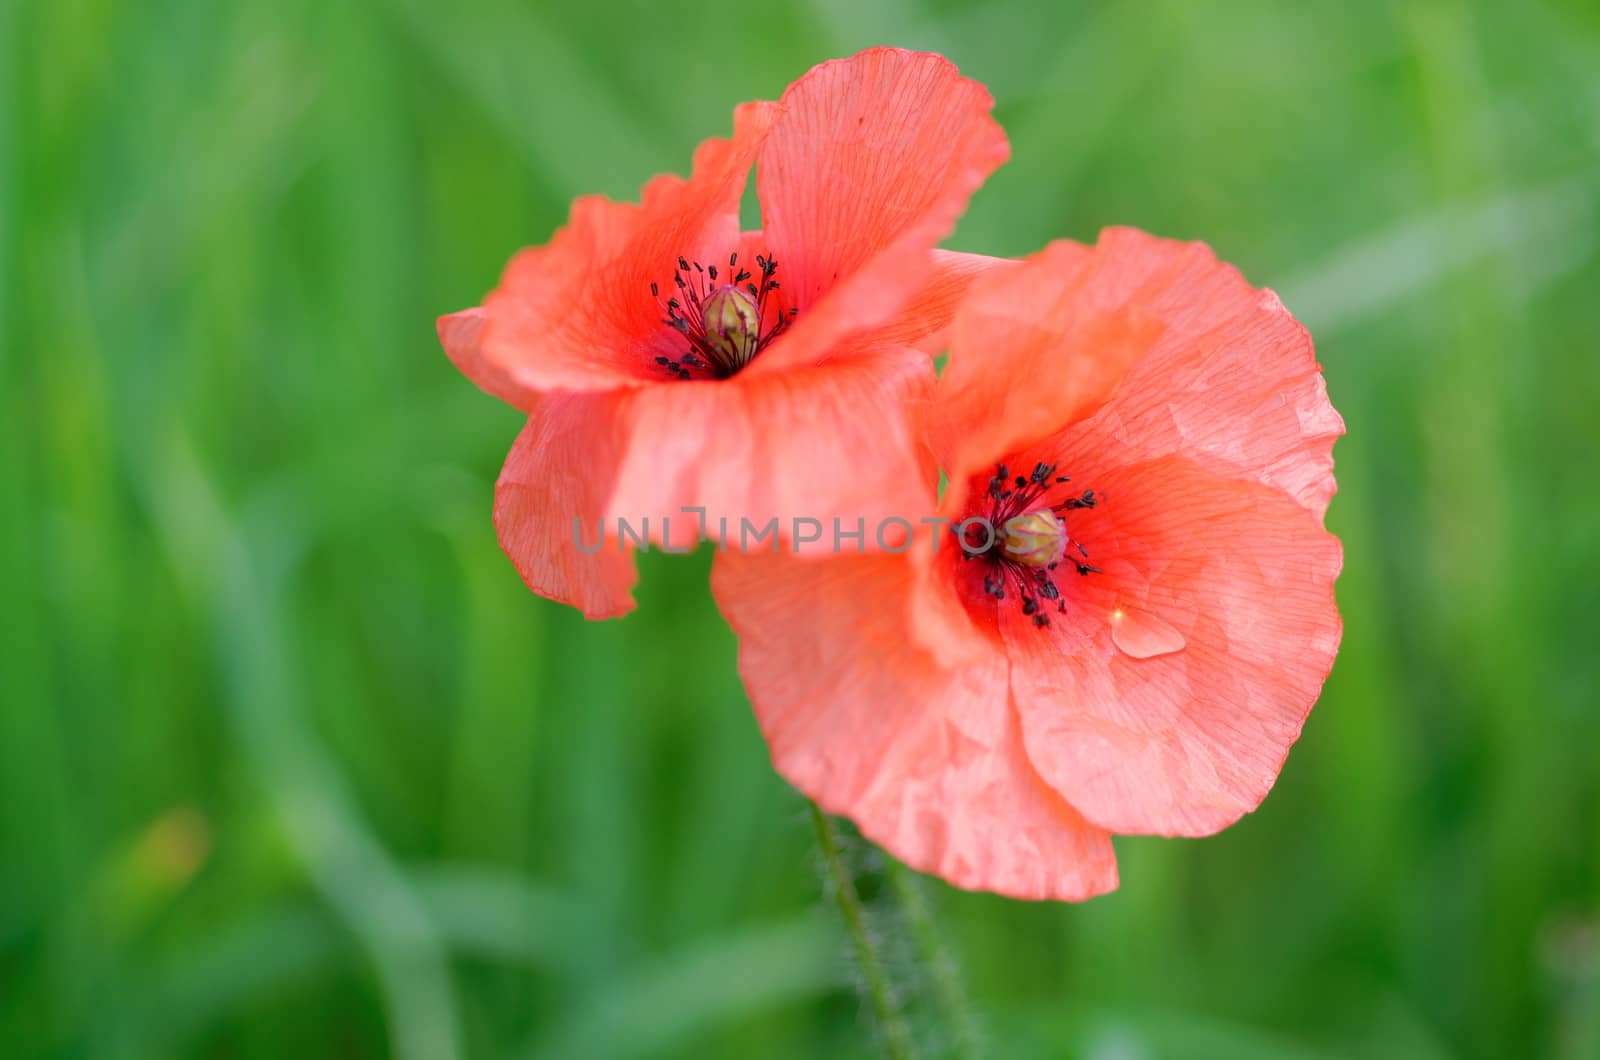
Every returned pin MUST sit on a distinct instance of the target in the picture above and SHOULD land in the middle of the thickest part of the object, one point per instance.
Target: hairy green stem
(894, 1032)
(955, 1010)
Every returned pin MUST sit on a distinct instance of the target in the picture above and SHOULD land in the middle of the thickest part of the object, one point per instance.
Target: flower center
(723, 319)
(1035, 539)
(1027, 538)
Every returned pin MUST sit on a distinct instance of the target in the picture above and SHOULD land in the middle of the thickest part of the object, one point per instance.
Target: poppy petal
(1232, 383)
(825, 442)
(1036, 347)
(548, 501)
(870, 165)
(1165, 697)
(924, 322)
(928, 762)
(577, 313)
(461, 334)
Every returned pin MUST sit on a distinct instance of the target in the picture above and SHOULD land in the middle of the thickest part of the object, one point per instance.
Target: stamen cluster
(1019, 515)
(724, 322)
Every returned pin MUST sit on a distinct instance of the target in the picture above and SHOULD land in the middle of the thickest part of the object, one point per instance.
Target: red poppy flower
(1137, 646)
(668, 360)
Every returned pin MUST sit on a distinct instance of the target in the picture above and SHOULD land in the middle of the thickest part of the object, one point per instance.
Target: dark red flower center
(1021, 535)
(723, 318)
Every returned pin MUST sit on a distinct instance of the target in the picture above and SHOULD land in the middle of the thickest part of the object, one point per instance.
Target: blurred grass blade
(693, 991)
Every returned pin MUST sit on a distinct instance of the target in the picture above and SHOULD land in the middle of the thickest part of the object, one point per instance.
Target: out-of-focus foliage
(292, 765)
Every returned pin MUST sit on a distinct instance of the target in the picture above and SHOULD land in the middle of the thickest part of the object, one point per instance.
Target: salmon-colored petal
(924, 321)
(1033, 348)
(868, 168)
(927, 762)
(550, 497)
(577, 313)
(1166, 696)
(834, 441)
(461, 334)
(1232, 382)
(1155, 344)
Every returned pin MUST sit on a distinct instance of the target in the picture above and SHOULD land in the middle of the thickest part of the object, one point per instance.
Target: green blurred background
(291, 764)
